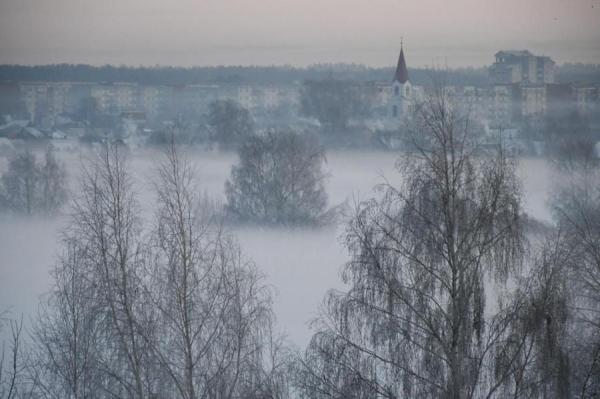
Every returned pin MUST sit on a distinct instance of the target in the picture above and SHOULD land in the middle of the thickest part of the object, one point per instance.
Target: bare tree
(414, 322)
(270, 377)
(53, 181)
(186, 316)
(561, 317)
(12, 365)
(279, 179)
(577, 208)
(334, 102)
(107, 223)
(29, 186)
(20, 183)
(213, 309)
(537, 348)
(230, 122)
(66, 332)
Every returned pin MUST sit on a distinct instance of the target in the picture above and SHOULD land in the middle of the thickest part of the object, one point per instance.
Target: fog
(134, 32)
(300, 264)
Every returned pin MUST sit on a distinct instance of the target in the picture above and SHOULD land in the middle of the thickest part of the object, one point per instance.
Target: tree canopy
(414, 321)
(334, 102)
(279, 179)
(230, 122)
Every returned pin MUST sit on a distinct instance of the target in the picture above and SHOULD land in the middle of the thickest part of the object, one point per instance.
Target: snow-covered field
(300, 264)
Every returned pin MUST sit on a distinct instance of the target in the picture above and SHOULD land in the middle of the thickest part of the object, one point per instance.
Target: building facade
(521, 66)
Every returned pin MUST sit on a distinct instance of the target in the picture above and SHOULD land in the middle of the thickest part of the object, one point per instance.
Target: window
(395, 109)
(396, 90)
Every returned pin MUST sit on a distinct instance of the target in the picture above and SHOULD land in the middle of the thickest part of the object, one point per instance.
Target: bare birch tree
(186, 315)
(12, 365)
(577, 208)
(414, 322)
(20, 183)
(66, 333)
(107, 223)
(212, 305)
(30, 186)
(536, 350)
(53, 182)
(279, 179)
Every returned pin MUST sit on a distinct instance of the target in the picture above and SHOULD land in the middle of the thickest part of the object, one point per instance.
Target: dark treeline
(169, 75)
(224, 74)
(578, 73)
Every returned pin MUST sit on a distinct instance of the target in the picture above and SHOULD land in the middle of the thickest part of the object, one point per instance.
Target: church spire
(401, 74)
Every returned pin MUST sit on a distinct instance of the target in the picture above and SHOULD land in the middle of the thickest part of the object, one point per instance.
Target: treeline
(224, 74)
(589, 73)
(33, 186)
(168, 75)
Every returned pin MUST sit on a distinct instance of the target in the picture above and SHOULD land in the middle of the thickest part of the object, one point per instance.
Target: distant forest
(159, 75)
(226, 74)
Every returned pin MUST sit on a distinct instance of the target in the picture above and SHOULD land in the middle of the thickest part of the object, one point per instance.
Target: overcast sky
(297, 32)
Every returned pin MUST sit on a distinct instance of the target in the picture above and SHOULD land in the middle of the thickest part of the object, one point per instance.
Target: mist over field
(301, 263)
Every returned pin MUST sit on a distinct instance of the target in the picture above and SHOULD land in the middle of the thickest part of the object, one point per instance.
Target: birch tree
(279, 179)
(577, 209)
(415, 321)
(20, 183)
(53, 182)
(66, 334)
(12, 367)
(107, 223)
(213, 307)
(29, 186)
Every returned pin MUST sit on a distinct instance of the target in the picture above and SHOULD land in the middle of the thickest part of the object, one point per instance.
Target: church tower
(402, 92)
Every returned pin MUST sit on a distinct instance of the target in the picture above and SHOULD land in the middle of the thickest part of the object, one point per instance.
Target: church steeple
(401, 74)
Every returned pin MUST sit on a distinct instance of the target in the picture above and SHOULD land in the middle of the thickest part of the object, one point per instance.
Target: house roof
(34, 132)
(10, 131)
(401, 74)
(514, 53)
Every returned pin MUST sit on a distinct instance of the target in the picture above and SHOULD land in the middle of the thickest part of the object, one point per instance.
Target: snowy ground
(300, 264)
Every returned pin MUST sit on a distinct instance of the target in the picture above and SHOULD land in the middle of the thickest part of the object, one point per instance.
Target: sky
(294, 32)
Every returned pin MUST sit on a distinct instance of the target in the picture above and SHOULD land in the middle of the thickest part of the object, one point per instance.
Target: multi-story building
(126, 97)
(533, 99)
(470, 100)
(271, 98)
(115, 98)
(46, 100)
(510, 105)
(245, 97)
(150, 98)
(560, 99)
(586, 98)
(502, 105)
(521, 67)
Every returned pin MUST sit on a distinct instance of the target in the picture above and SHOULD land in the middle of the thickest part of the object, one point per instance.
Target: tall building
(402, 91)
(521, 67)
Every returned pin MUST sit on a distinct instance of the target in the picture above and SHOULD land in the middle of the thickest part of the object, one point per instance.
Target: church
(402, 91)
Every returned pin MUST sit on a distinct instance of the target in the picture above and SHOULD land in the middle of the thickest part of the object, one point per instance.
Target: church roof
(401, 74)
